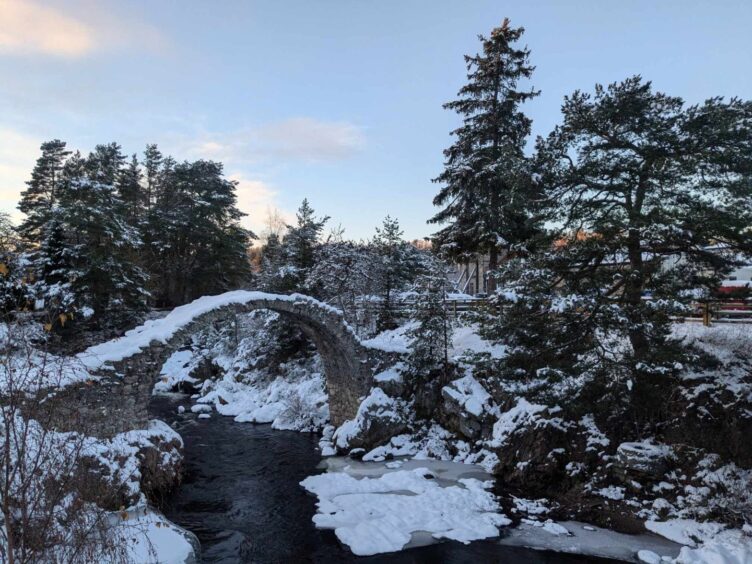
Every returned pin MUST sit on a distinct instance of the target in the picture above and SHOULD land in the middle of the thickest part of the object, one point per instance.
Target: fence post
(706, 314)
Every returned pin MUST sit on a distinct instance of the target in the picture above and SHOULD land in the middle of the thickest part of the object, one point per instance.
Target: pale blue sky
(337, 101)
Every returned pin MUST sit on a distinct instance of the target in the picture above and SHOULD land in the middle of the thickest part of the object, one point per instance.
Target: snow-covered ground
(465, 339)
(432, 490)
(147, 537)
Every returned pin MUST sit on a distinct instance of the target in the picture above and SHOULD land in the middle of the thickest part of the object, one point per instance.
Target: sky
(337, 101)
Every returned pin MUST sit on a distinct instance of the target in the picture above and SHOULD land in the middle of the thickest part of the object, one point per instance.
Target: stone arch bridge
(128, 367)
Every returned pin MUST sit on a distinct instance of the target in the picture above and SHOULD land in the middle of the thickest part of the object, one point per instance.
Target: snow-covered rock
(379, 418)
(644, 458)
(467, 407)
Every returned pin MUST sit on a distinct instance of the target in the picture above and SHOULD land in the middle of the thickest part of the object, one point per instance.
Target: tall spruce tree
(83, 264)
(41, 193)
(431, 335)
(488, 196)
(131, 193)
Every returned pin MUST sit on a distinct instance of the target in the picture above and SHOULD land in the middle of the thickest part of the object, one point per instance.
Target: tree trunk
(633, 296)
(493, 264)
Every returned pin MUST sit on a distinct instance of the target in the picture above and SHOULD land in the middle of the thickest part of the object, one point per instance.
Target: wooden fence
(707, 313)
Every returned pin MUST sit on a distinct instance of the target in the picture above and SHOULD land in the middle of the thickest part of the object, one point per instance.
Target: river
(241, 497)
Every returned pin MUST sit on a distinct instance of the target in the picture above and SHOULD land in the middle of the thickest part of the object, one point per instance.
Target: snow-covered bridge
(128, 367)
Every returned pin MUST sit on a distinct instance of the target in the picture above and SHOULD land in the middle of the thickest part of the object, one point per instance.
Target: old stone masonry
(126, 369)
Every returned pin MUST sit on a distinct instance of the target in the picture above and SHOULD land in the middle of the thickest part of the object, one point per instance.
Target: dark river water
(241, 497)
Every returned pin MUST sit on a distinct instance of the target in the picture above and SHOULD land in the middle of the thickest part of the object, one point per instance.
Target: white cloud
(18, 153)
(295, 139)
(31, 28)
(28, 27)
(257, 199)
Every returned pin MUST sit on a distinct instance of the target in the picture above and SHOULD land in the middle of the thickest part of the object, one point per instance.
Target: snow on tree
(431, 335)
(41, 192)
(399, 263)
(89, 246)
(653, 203)
(488, 195)
(342, 274)
(287, 268)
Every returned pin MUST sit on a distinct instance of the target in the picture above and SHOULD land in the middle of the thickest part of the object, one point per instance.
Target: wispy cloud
(28, 27)
(297, 139)
(310, 139)
(33, 28)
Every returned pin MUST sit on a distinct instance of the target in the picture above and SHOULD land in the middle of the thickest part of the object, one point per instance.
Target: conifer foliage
(487, 194)
(431, 333)
(105, 238)
(653, 205)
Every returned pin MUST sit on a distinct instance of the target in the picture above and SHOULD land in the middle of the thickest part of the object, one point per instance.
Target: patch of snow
(376, 403)
(391, 374)
(684, 531)
(470, 394)
(375, 515)
(521, 415)
(648, 557)
(611, 492)
(465, 339)
(149, 537)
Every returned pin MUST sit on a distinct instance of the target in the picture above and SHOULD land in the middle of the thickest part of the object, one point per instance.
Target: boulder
(467, 408)
(379, 418)
(642, 459)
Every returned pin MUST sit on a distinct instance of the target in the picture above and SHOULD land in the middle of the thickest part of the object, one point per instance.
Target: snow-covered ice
(372, 515)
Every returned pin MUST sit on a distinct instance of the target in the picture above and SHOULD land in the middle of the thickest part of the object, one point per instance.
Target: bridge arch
(129, 366)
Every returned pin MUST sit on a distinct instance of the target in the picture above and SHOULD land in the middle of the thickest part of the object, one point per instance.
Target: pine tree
(430, 337)
(653, 199)
(290, 268)
(341, 274)
(489, 197)
(154, 169)
(108, 286)
(40, 196)
(15, 293)
(398, 265)
(131, 192)
(197, 244)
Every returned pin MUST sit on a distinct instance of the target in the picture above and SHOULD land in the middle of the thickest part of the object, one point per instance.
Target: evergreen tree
(653, 200)
(341, 274)
(131, 192)
(488, 195)
(430, 337)
(398, 264)
(297, 252)
(99, 241)
(14, 291)
(154, 169)
(40, 196)
(197, 244)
